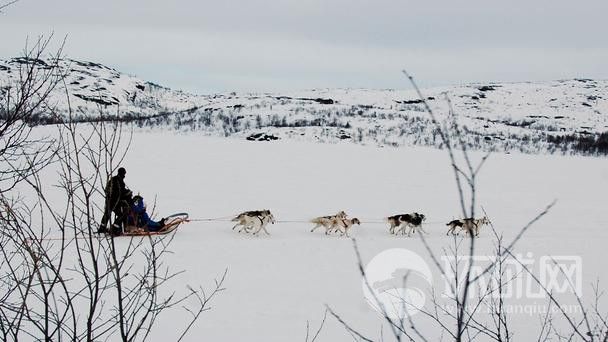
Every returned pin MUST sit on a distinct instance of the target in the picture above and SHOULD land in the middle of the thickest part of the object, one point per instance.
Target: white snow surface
(276, 283)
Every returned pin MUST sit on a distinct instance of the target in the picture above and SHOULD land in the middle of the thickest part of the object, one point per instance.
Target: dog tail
(391, 220)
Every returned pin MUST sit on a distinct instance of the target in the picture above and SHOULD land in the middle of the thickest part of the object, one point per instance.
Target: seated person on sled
(138, 218)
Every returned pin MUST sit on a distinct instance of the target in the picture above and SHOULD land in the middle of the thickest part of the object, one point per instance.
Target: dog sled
(172, 222)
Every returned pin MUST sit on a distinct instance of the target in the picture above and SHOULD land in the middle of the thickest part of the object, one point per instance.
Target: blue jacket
(140, 218)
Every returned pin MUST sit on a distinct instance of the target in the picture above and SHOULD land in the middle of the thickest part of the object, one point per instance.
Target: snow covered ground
(357, 150)
(276, 283)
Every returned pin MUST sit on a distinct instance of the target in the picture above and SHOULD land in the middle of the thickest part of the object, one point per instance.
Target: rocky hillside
(95, 90)
(566, 116)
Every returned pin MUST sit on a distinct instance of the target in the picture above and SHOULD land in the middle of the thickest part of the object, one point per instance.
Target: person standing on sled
(139, 218)
(118, 197)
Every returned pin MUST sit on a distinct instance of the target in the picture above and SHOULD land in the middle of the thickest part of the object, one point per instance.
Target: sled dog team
(256, 220)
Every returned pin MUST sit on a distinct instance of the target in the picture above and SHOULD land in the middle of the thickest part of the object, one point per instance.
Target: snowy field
(277, 283)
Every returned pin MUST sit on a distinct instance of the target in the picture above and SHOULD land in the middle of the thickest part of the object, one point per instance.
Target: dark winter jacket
(116, 191)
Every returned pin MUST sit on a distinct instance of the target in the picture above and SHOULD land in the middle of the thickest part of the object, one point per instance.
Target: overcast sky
(270, 45)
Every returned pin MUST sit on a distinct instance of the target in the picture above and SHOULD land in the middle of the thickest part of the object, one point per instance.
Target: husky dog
(401, 222)
(469, 225)
(328, 222)
(255, 220)
(343, 225)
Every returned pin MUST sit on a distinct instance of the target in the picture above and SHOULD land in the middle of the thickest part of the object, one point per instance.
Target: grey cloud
(269, 45)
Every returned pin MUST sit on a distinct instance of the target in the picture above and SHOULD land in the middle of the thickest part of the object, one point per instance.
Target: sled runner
(172, 222)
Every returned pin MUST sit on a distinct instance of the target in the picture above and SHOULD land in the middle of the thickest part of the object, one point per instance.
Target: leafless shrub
(22, 154)
(60, 281)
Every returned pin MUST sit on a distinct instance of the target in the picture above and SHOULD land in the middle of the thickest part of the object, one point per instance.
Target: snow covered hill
(552, 117)
(95, 89)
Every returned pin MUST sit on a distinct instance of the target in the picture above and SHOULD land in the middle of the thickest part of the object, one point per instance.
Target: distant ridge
(564, 116)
